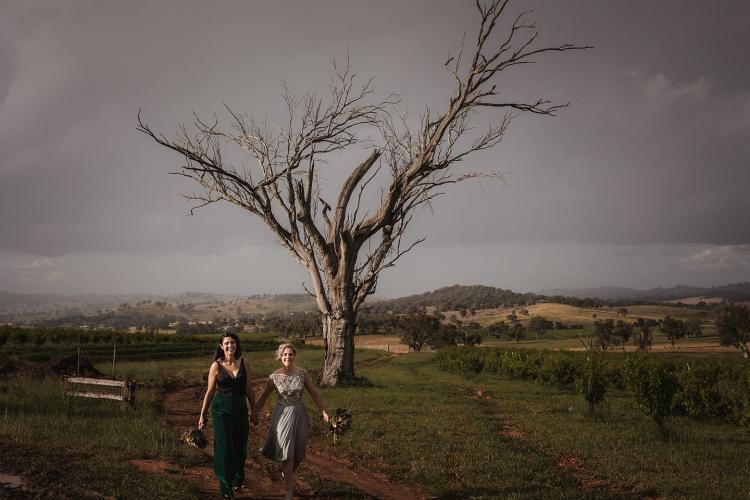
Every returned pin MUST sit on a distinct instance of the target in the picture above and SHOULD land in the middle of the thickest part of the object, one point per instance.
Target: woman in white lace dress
(287, 433)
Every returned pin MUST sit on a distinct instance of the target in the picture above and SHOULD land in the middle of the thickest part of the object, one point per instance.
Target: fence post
(114, 355)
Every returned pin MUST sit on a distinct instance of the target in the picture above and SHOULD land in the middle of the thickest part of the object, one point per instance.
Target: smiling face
(287, 357)
(229, 346)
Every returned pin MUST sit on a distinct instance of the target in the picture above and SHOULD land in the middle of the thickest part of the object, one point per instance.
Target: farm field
(388, 343)
(513, 438)
(587, 316)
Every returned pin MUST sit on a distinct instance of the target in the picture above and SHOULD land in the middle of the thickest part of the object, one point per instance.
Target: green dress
(229, 412)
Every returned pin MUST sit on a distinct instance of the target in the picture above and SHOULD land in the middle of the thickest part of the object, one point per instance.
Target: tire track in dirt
(380, 360)
(586, 479)
(181, 408)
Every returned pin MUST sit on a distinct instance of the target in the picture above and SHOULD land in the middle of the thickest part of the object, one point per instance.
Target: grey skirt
(287, 435)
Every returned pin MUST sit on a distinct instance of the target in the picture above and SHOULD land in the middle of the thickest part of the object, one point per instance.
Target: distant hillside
(476, 297)
(604, 292)
(81, 309)
(733, 291)
(456, 297)
(93, 300)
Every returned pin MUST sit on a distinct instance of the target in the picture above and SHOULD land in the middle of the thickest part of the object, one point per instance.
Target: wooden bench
(127, 389)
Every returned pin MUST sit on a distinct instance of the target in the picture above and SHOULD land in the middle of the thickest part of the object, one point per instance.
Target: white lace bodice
(289, 387)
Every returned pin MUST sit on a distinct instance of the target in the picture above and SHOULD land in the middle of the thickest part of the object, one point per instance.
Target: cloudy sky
(643, 181)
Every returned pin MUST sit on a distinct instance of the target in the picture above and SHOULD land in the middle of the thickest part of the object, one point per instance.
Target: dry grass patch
(390, 343)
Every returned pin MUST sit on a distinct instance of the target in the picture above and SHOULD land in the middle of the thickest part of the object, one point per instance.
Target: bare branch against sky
(641, 182)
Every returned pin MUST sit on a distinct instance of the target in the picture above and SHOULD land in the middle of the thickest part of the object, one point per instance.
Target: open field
(388, 343)
(413, 425)
(586, 316)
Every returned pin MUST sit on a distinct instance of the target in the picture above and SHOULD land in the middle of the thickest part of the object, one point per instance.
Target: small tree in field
(733, 325)
(516, 330)
(418, 330)
(591, 383)
(499, 330)
(622, 332)
(539, 325)
(693, 328)
(654, 386)
(673, 329)
(603, 334)
(447, 335)
(344, 244)
(644, 336)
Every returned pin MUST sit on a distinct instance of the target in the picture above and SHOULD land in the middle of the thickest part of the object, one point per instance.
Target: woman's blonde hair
(281, 348)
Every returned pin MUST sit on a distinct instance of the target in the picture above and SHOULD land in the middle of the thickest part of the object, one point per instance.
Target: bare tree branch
(346, 246)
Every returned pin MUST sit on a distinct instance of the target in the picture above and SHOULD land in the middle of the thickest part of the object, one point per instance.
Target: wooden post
(114, 355)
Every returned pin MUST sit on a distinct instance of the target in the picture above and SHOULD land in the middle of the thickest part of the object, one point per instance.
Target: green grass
(569, 339)
(80, 447)
(422, 425)
(418, 424)
(412, 422)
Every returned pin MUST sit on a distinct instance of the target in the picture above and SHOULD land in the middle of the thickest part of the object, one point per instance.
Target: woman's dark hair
(219, 354)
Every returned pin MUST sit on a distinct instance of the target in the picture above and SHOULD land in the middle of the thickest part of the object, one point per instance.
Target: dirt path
(380, 360)
(570, 465)
(181, 409)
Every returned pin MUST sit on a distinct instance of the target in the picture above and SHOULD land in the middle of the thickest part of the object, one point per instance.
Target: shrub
(591, 383)
(558, 368)
(653, 385)
(19, 336)
(467, 362)
(704, 388)
(738, 396)
(472, 339)
(699, 395)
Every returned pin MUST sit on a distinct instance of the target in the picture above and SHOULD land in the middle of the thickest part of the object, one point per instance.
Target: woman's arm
(249, 387)
(213, 372)
(316, 396)
(250, 393)
(267, 390)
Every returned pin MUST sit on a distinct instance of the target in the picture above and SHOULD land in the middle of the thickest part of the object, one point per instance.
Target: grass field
(412, 422)
(586, 316)
(418, 422)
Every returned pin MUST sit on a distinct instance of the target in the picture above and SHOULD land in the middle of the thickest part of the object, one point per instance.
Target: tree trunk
(338, 336)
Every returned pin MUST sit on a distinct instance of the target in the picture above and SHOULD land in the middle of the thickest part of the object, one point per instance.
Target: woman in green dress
(230, 390)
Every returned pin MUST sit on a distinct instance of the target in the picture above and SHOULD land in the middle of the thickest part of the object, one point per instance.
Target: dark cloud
(654, 149)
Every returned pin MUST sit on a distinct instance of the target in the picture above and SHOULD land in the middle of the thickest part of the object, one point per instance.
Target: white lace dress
(290, 424)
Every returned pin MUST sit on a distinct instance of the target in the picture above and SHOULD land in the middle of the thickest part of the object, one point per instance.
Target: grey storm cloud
(654, 149)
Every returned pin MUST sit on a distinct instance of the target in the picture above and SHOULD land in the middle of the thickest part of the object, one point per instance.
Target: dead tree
(343, 246)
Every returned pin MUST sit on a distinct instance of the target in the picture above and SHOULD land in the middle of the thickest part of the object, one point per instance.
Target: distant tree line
(472, 298)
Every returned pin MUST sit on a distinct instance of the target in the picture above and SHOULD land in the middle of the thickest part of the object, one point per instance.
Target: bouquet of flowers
(194, 437)
(339, 423)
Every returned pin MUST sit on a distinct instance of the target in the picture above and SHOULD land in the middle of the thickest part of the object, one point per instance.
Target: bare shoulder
(214, 366)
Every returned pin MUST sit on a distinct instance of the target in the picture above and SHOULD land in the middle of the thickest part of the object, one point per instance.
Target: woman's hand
(326, 418)
(201, 422)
